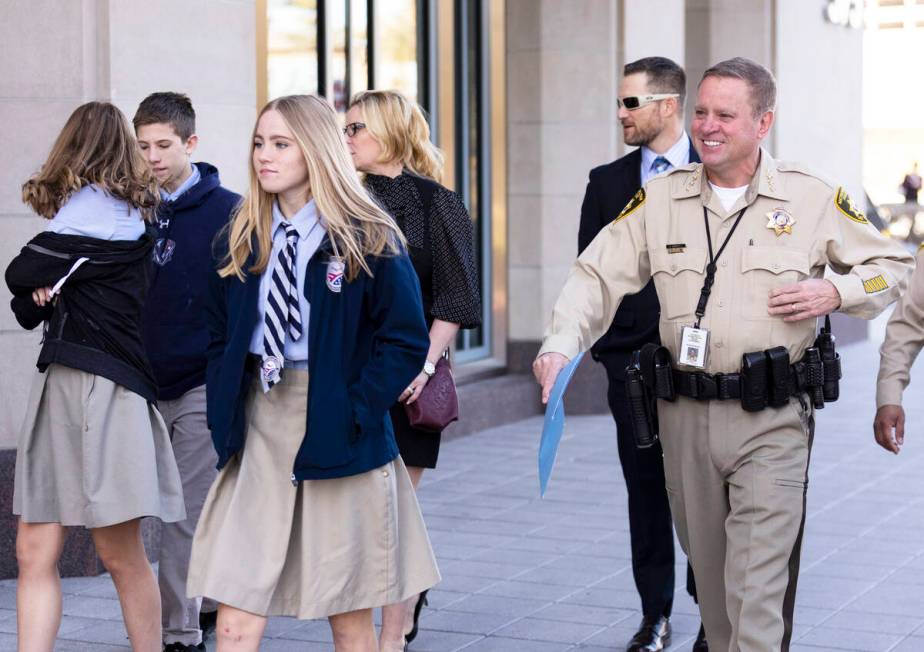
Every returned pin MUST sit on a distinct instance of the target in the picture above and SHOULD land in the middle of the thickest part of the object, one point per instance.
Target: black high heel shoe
(421, 603)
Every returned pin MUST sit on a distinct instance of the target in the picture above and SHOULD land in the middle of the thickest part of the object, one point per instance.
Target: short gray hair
(760, 81)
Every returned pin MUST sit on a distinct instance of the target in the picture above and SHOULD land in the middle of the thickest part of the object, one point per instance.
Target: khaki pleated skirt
(93, 453)
(323, 547)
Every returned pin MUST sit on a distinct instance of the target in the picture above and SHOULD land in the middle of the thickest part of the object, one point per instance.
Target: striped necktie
(281, 312)
(660, 165)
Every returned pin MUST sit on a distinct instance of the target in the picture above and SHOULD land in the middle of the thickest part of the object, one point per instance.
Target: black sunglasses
(351, 129)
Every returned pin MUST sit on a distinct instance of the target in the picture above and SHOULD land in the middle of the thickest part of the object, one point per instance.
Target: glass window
(472, 169)
(395, 38)
(358, 62)
(337, 15)
(291, 47)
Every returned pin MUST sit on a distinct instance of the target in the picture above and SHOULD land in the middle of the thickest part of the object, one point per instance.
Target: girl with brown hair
(93, 451)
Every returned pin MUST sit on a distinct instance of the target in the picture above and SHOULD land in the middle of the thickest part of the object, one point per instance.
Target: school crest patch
(846, 206)
(637, 200)
(334, 275)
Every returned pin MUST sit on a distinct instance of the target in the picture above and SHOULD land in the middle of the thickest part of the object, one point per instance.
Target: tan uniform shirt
(903, 340)
(794, 227)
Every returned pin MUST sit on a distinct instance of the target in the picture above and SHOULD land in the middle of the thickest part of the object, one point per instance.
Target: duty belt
(703, 386)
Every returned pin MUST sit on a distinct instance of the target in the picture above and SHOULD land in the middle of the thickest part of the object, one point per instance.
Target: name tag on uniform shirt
(694, 347)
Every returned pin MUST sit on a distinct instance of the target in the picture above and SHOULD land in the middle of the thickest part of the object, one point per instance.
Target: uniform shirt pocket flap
(693, 260)
(776, 260)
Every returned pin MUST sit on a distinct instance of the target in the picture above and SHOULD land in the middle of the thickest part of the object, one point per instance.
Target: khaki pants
(736, 482)
(196, 460)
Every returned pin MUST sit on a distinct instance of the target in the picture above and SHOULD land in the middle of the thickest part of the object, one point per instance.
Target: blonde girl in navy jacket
(313, 514)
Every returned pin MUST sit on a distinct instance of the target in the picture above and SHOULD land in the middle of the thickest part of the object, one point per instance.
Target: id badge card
(694, 347)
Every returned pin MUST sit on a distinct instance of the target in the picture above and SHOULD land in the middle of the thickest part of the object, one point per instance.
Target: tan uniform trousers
(196, 459)
(736, 482)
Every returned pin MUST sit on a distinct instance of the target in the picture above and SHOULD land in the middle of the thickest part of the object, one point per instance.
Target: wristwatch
(429, 369)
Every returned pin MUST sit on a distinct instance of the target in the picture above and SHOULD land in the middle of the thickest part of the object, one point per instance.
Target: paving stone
(537, 629)
(110, 632)
(500, 605)
(582, 613)
(466, 623)
(500, 644)
(850, 640)
(433, 641)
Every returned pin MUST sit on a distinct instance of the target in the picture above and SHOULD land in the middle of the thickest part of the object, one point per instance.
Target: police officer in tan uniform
(767, 231)
(903, 341)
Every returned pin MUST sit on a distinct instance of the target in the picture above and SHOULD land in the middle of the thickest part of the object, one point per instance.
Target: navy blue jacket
(366, 344)
(174, 329)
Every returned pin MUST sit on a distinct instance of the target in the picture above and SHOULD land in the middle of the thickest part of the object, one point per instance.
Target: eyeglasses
(354, 127)
(634, 102)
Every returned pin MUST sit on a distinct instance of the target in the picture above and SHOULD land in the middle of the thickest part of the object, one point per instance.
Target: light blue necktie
(660, 165)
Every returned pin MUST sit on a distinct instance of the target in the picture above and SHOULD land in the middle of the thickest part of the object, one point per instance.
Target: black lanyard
(710, 268)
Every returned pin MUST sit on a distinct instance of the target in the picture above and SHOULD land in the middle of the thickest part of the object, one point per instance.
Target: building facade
(521, 96)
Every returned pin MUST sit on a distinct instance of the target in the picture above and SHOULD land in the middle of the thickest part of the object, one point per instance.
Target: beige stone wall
(57, 55)
(819, 71)
(561, 71)
(564, 60)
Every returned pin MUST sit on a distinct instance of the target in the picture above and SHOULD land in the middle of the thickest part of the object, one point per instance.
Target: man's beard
(640, 136)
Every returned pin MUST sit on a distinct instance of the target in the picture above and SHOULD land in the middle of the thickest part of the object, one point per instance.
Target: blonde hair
(400, 127)
(356, 225)
(96, 146)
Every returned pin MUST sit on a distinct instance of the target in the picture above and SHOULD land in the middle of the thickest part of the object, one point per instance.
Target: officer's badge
(780, 221)
(846, 206)
(637, 200)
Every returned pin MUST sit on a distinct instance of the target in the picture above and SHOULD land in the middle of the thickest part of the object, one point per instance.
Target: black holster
(648, 378)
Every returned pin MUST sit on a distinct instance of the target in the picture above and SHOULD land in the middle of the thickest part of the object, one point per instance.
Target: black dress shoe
(700, 644)
(182, 647)
(653, 635)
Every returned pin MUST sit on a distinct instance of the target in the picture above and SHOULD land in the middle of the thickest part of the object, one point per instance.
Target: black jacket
(94, 324)
(610, 188)
(173, 323)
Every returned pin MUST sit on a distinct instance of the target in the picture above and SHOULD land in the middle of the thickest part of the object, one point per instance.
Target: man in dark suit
(651, 96)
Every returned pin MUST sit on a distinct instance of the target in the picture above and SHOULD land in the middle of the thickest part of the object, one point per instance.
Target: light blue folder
(554, 423)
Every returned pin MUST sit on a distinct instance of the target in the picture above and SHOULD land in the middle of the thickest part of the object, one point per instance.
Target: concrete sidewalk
(550, 575)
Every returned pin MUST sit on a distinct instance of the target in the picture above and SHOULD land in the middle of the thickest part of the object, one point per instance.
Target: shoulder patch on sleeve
(846, 206)
(637, 200)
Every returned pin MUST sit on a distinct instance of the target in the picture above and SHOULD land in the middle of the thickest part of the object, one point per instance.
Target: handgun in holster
(648, 377)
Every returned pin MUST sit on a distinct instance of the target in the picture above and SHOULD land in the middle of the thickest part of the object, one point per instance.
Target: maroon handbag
(438, 405)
